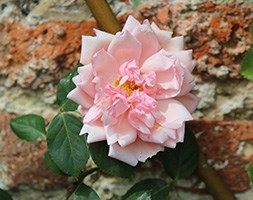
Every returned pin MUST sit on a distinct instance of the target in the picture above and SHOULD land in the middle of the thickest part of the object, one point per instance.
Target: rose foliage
(134, 90)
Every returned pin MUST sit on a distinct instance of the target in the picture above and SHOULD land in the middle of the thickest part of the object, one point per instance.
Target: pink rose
(133, 90)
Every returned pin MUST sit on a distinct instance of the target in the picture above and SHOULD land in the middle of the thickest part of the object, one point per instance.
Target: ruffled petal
(173, 113)
(190, 101)
(169, 73)
(90, 45)
(122, 132)
(141, 121)
(124, 47)
(149, 42)
(137, 151)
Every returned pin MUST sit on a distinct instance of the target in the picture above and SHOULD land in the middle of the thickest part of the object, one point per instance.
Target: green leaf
(142, 195)
(180, 162)
(29, 127)
(99, 154)
(157, 187)
(67, 149)
(5, 195)
(84, 192)
(65, 86)
(51, 164)
(250, 172)
(247, 65)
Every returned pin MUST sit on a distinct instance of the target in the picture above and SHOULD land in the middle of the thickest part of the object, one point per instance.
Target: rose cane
(107, 21)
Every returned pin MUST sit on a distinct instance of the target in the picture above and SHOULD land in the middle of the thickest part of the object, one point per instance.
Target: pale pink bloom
(133, 90)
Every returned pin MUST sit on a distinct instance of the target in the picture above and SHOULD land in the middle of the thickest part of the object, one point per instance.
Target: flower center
(128, 86)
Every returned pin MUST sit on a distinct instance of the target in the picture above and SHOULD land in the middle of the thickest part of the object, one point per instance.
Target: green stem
(104, 16)
(217, 188)
(80, 180)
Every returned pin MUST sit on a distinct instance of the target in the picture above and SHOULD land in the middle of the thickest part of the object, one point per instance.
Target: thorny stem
(108, 22)
(80, 180)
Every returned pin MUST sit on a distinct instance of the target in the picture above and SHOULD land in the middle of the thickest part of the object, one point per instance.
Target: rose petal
(141, 121)
(190, 101)
(158, 135)
(93, 114)
(137, 151)
(185, 58)
(173, 113)
(131, 24)
(124, 47)
(122, 132)
(96, 131)
(80, 97)
(158, 62)
(105, 67)
(90, 45)
(188, 83)
(175, 43)
(146, 36)
(103, 35)
(84, 80)
(163, 36)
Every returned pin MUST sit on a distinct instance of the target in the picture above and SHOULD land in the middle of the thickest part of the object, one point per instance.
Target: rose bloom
(133, 90)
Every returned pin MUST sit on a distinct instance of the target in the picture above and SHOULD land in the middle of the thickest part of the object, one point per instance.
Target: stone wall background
(40, 42)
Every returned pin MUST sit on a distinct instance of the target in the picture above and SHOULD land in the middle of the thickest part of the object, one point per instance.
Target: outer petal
(158, 62)
(173, 114)
(137, 151)
(190, 101)
(185, 58)
(80, 97)
(179, 137)
(84, 80)
(105, 68)
(175, 43)
(122, 132)
(96, 131)
(131, 24)
(158, 135)
(90, 45)
(93, 114)
(188, 83)
(124, 47)
(163, 36)
(149, 42)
